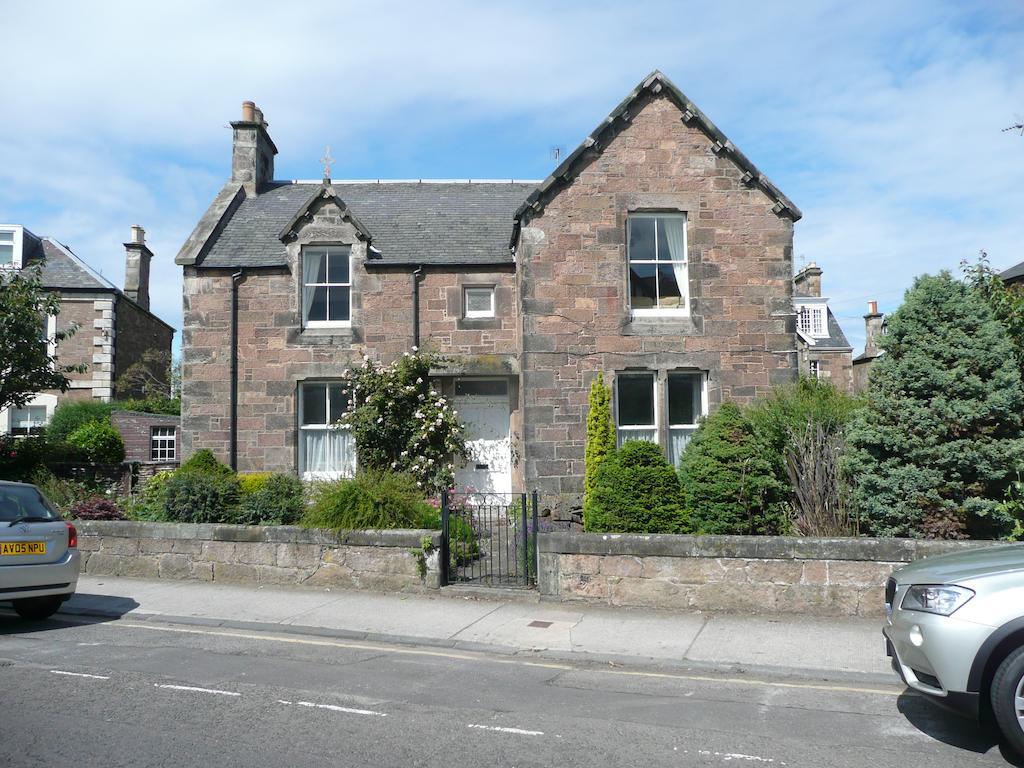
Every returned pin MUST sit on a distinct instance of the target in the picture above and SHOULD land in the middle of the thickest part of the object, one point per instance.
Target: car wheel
(1007, 694)
(37, 608)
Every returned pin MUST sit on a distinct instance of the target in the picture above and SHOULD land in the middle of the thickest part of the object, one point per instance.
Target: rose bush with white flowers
(403, 424)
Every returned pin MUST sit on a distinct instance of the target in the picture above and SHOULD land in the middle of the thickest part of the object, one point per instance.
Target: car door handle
(483, 466)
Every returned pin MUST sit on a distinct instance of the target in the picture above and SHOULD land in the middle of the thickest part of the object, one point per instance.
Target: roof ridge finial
(328, 161)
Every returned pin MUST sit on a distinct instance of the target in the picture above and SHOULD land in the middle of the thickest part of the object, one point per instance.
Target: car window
(18, 501)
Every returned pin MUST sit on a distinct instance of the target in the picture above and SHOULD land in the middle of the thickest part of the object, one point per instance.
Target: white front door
(484, 411)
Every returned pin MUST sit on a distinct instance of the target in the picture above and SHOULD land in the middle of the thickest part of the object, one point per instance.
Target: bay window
(656, 250)
(326, 450)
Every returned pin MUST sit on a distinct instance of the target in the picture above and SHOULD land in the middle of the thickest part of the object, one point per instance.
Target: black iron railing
(489, 539)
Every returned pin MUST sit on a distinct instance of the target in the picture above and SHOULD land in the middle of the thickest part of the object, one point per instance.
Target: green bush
(636, 491)
(204, 462)
(98, 442)
(62, 493)
(729, 483)
(70, 415)
(600, 436)
(270, 499)
(370, 500)
(198, 497)
(939, 442)
(21, 458)
(150, 502)
(168, 406)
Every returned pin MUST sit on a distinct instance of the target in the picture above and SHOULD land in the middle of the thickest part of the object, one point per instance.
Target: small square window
(163, 444)
(479, 302)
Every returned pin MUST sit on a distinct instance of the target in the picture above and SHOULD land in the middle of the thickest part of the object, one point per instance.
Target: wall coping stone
(750, 547)
(270, 534)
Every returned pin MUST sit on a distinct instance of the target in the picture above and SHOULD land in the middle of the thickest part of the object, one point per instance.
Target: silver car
(39, 559)
(955, 632)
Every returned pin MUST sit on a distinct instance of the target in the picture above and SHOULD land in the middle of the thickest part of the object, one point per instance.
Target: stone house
(115, 328)
(151, 440)
(656, 255)
(874, 329)
(824, 352)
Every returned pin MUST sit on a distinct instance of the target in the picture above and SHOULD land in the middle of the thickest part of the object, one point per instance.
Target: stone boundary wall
(757, 574)
(376, 560)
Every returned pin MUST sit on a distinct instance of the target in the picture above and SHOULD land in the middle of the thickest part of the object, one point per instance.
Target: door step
(474, 592)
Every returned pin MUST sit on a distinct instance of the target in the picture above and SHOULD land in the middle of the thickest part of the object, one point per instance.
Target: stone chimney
(872, 330)
(252, 150)
(136, 267)
(808, 281)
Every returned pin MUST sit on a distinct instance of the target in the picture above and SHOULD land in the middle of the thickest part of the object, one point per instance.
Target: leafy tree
(26, 365)
(98, 442)
(72, 414)
(149, 377)
(730, 485)
(636, 491)
(401, 423)
(940, 439)
(600, 435)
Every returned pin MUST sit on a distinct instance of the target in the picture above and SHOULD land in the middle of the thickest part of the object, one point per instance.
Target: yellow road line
(326, 643)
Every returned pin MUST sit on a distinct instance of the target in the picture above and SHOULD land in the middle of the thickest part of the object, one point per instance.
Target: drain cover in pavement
(540, 624)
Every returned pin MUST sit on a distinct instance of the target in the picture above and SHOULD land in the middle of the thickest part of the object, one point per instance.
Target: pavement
(509, 623)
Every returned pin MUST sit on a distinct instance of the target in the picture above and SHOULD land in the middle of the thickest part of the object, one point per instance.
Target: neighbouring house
(824, 352)
(874, 329)
(115, 328)
(1014, 275)
(656, 255)
(151, 440)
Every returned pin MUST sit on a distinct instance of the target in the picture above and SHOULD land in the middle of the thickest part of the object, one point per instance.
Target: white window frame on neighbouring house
(648, 432)
(681, 432)
(674, 227)
(330, 284)
(163, 443)
(812, 320)
(326, 451)
(13, 236)
(814, 369)
(28, 420)
(486, 291)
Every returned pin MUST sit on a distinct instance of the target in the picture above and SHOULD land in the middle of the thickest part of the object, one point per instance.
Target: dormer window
(10, 247)
(811, 321)
(326, 286)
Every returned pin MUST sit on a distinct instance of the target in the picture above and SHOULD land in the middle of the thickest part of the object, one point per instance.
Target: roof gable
(655, 83)
(326, 194)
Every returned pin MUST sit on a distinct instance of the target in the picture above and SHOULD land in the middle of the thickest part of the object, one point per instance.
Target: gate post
(445, 556)
(536, 545)
(526, 543)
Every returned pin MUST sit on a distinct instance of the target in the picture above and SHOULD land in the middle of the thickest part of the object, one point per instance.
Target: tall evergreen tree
(600, 436)
(940, 439)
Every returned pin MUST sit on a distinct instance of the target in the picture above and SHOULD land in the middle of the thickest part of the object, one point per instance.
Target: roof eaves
(655, 83)
(209, 227)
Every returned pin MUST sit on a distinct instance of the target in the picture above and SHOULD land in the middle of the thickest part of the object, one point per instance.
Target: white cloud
(882, 121)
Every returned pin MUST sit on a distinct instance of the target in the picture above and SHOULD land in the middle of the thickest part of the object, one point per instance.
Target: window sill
(328, 335)
(478, 323)
(660, 325)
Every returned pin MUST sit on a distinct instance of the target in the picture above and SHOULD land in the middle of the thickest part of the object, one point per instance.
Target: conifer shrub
(636, 491)
(729, 482)
(201, 497)
(204, 462)
(600, 436)
(940, 438)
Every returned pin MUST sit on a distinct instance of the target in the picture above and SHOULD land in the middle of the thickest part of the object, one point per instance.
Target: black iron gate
(489, 539)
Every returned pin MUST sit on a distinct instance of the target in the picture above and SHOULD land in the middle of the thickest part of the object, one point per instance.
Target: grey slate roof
(1013, 274)
(409, 222)
(61, 269)
(836, 338)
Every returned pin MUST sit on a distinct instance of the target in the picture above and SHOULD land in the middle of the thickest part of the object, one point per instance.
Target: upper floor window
(478, 302)
(811, 320)
(326, 450)
(326, 286)
(656, 248)
(10, 247)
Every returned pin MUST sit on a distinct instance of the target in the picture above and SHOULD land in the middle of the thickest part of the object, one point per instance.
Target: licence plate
(22, 548)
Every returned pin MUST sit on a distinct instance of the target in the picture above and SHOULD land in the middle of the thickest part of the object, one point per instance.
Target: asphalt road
(124, 693)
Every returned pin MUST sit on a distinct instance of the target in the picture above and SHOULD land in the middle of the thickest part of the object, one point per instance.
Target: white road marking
(78, 674)
(336, 708)
(499, 729)
(728, 756)
(268, 637)
(197, 690)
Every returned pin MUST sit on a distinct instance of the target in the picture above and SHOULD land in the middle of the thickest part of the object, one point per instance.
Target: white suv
(955, 632)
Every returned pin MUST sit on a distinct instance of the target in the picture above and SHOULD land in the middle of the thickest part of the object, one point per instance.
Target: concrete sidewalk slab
(830, 645)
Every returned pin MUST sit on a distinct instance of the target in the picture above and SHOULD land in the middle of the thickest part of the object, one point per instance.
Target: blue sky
(882, 121)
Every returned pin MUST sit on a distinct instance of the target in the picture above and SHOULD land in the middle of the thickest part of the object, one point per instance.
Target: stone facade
(575, 287)
(825, 577)
(374, 560)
